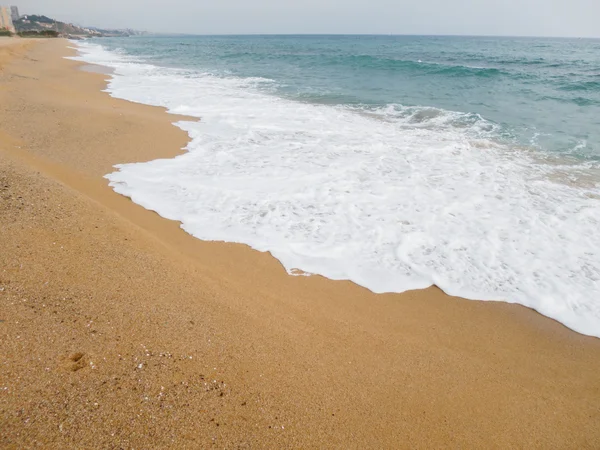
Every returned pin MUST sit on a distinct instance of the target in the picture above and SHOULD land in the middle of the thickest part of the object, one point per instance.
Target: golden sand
(119, 330)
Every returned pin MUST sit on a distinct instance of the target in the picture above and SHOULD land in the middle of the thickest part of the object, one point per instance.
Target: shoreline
(421, 220)
(331, 361)
(99, 68)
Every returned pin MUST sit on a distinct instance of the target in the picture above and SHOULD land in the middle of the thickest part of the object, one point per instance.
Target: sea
(396, 162)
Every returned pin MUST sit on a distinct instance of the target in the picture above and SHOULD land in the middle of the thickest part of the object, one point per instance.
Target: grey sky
(473, 17)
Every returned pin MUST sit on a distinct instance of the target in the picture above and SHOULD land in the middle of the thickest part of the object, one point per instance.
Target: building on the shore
(6, 22)
(14, 13)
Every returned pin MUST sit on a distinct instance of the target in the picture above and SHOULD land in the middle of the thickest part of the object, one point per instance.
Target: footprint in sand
(76, 361)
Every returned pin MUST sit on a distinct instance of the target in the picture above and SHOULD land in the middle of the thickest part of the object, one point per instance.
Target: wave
(423, 117)
(588, 86)
(579, 101)
(392, 198)
(455, 70)
(370, 62)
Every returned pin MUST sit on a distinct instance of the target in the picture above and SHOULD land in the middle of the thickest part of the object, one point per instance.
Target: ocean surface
(396, 162)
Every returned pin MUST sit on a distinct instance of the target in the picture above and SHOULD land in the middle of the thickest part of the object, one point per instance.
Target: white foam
(382, 199)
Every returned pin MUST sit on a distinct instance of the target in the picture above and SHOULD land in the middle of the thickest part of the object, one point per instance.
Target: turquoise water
(541, 92)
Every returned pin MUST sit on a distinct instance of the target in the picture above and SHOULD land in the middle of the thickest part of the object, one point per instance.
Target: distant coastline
(33, 25)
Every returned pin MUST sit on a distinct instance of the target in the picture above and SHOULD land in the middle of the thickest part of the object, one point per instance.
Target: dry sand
(119, 330)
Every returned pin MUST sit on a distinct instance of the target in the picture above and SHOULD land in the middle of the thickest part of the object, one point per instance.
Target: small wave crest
(586, 86)
(418, 66)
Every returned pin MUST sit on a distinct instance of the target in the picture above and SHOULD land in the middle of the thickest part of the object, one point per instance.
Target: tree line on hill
(44, 33)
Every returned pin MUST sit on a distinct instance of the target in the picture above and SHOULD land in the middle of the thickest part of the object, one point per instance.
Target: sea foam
(392, 199)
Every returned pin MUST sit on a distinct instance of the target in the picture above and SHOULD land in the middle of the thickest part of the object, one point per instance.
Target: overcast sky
(470, 17)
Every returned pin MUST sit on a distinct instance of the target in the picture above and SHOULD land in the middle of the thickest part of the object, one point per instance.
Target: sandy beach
(119, 330)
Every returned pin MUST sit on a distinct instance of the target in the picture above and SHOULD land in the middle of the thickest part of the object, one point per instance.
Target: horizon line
(165, 33)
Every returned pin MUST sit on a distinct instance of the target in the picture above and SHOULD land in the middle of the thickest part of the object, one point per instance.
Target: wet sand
(119, 330)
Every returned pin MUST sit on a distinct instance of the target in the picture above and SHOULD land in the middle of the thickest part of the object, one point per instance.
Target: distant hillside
(34, 23)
